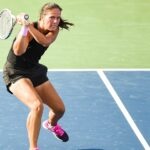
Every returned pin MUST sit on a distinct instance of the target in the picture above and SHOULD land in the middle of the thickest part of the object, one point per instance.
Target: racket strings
(5, 24)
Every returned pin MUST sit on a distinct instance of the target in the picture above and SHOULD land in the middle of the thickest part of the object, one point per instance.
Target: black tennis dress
(25, 66)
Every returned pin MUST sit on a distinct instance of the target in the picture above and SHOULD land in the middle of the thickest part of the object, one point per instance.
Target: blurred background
(107, 33)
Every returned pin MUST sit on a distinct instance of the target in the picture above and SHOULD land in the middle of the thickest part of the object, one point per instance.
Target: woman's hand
(22, 19)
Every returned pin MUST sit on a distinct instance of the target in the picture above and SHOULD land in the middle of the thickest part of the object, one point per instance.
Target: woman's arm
(21, 42)
(42, 39)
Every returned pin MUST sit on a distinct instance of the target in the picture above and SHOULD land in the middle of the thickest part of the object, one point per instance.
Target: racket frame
(13, 22)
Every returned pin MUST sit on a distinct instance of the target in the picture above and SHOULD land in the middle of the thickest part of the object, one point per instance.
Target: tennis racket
(7, 23)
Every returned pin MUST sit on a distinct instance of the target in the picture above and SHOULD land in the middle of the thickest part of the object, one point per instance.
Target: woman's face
(51, 19)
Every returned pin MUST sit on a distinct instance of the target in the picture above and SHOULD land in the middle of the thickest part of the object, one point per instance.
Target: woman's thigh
(25, 92)
(50, 96)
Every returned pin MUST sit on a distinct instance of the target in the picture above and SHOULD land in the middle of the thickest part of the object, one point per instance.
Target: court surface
(105, 110)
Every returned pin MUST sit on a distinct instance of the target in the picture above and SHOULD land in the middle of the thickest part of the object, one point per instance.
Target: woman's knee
(59, 111)
(37, 106)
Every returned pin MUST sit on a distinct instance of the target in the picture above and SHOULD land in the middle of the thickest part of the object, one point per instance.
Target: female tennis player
(27, 79)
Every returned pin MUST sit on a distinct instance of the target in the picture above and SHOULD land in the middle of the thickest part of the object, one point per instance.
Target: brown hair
(48, 6)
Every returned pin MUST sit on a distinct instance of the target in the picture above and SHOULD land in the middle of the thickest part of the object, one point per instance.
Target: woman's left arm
(42, 39)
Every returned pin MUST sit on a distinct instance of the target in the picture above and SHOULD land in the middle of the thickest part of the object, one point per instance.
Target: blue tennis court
(105, 110)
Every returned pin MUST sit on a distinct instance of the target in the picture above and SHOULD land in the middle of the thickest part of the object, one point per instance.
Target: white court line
(105, 69)
(124, 110)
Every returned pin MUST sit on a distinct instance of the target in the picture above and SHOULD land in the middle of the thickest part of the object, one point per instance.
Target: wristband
(24, 31)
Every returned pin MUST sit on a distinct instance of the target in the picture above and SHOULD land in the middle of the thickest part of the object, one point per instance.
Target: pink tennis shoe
(57, 131)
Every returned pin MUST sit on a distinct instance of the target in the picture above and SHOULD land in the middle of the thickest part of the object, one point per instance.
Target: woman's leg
(51, 98)
(25, 92)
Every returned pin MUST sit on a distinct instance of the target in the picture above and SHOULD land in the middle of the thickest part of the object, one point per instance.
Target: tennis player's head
(50, 17)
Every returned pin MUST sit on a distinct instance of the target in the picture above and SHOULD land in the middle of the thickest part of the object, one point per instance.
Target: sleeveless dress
(25, 66)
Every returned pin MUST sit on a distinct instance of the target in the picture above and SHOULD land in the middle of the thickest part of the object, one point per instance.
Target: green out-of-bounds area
(107, 33)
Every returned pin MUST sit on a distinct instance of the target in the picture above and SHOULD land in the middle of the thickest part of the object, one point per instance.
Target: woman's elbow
(18, 52)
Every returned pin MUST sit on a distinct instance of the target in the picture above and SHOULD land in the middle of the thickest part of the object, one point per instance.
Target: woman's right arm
(21, 42)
